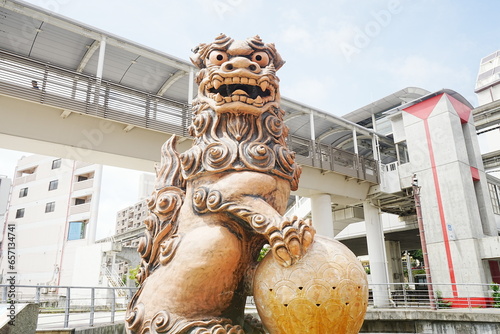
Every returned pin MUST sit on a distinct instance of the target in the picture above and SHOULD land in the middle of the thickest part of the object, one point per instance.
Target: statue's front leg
(289, 238)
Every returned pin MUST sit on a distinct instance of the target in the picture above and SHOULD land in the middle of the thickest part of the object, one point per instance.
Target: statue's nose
(241, 63)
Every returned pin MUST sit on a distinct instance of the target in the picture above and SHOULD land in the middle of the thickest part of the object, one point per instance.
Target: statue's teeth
(244, 80)
(235, 98)
(258, 100)
(252, 81)
(218, 97)
(217, 83)
(239, 92)
(228, 99)
(264, 85)
(236, 80)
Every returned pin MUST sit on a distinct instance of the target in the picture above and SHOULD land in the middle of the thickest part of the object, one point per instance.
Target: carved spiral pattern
(151, 222)
(190, 161)
(259, 221)
(135, 317)
(168, 203)
(168, 248)
(219, 329)
(258, 156)
(285, 158)
(151, 201)
(201, 123)
(145, 246)
(274, 125)
(200, 200)
(142, 273)
(217, 156)
(294, 182)
(214, 200)
(160, 322)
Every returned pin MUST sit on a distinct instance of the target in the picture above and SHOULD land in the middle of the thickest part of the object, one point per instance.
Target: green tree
(132, 274)
(417, 254)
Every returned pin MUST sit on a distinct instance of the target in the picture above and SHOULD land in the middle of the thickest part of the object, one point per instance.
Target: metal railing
(301, 208)
(444, 296)
(86, 94)
(78, 92)
(330, 158)
(65, 306)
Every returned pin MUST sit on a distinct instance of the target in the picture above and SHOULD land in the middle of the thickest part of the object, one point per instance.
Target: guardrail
(85, 94)
(60, 306)
(63, 306)
(330, 158)
(443, 296)
(78, 92)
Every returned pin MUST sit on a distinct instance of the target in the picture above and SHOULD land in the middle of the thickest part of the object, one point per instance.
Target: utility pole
(418, 208)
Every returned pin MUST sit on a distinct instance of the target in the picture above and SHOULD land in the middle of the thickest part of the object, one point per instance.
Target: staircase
(115, 281)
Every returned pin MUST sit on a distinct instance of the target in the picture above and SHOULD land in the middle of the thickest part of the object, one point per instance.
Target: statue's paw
(289, 242)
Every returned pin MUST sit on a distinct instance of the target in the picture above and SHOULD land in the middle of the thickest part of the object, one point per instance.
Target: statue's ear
(196, 58)
(277, 60)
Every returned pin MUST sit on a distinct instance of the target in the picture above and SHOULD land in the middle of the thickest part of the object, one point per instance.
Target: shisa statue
(217, 204)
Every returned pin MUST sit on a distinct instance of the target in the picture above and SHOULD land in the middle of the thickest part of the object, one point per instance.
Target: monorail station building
(406, 169)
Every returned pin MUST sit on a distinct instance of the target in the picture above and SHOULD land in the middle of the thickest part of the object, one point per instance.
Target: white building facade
(53, 206)
(5, 183)
(488, 79)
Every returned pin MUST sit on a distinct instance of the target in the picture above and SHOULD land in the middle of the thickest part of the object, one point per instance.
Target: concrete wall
(431, 322)
(444, 155)
(26, 318)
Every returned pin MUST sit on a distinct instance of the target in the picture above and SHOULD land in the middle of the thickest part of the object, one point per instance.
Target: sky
(340, 54)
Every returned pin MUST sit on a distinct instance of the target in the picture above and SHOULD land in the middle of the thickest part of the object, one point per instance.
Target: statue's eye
(261, 58)
(217, 57)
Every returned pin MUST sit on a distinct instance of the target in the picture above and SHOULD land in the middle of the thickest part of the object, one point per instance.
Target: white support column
(100, 69)
(398, 158)
(377, 255)
(100, 60)
(95, 204)
(311, 125)
(190, 87)
(321, 209)
(374, 123)
(375, 148)
(355, 141)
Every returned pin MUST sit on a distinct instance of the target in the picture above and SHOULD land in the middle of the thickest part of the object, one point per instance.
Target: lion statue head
(237, 76)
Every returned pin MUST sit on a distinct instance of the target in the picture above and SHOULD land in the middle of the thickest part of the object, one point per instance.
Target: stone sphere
(325, 292)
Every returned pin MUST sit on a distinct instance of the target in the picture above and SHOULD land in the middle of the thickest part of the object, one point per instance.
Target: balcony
(80, 208)
(83, 184)
(24, 179)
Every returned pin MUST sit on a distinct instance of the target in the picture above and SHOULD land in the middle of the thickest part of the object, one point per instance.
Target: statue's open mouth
(242, 89)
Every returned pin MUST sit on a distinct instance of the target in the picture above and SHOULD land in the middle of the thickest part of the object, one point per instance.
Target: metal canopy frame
(41, 35)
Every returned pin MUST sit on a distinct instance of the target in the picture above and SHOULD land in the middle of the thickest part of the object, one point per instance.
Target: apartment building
(130, 227)
(4, 197)
(53, 206)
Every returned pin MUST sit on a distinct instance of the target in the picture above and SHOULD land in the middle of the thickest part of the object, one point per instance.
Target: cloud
(313, 91)
(422, 71)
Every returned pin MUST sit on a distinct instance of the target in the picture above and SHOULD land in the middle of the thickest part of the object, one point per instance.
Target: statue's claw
(290, 241)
